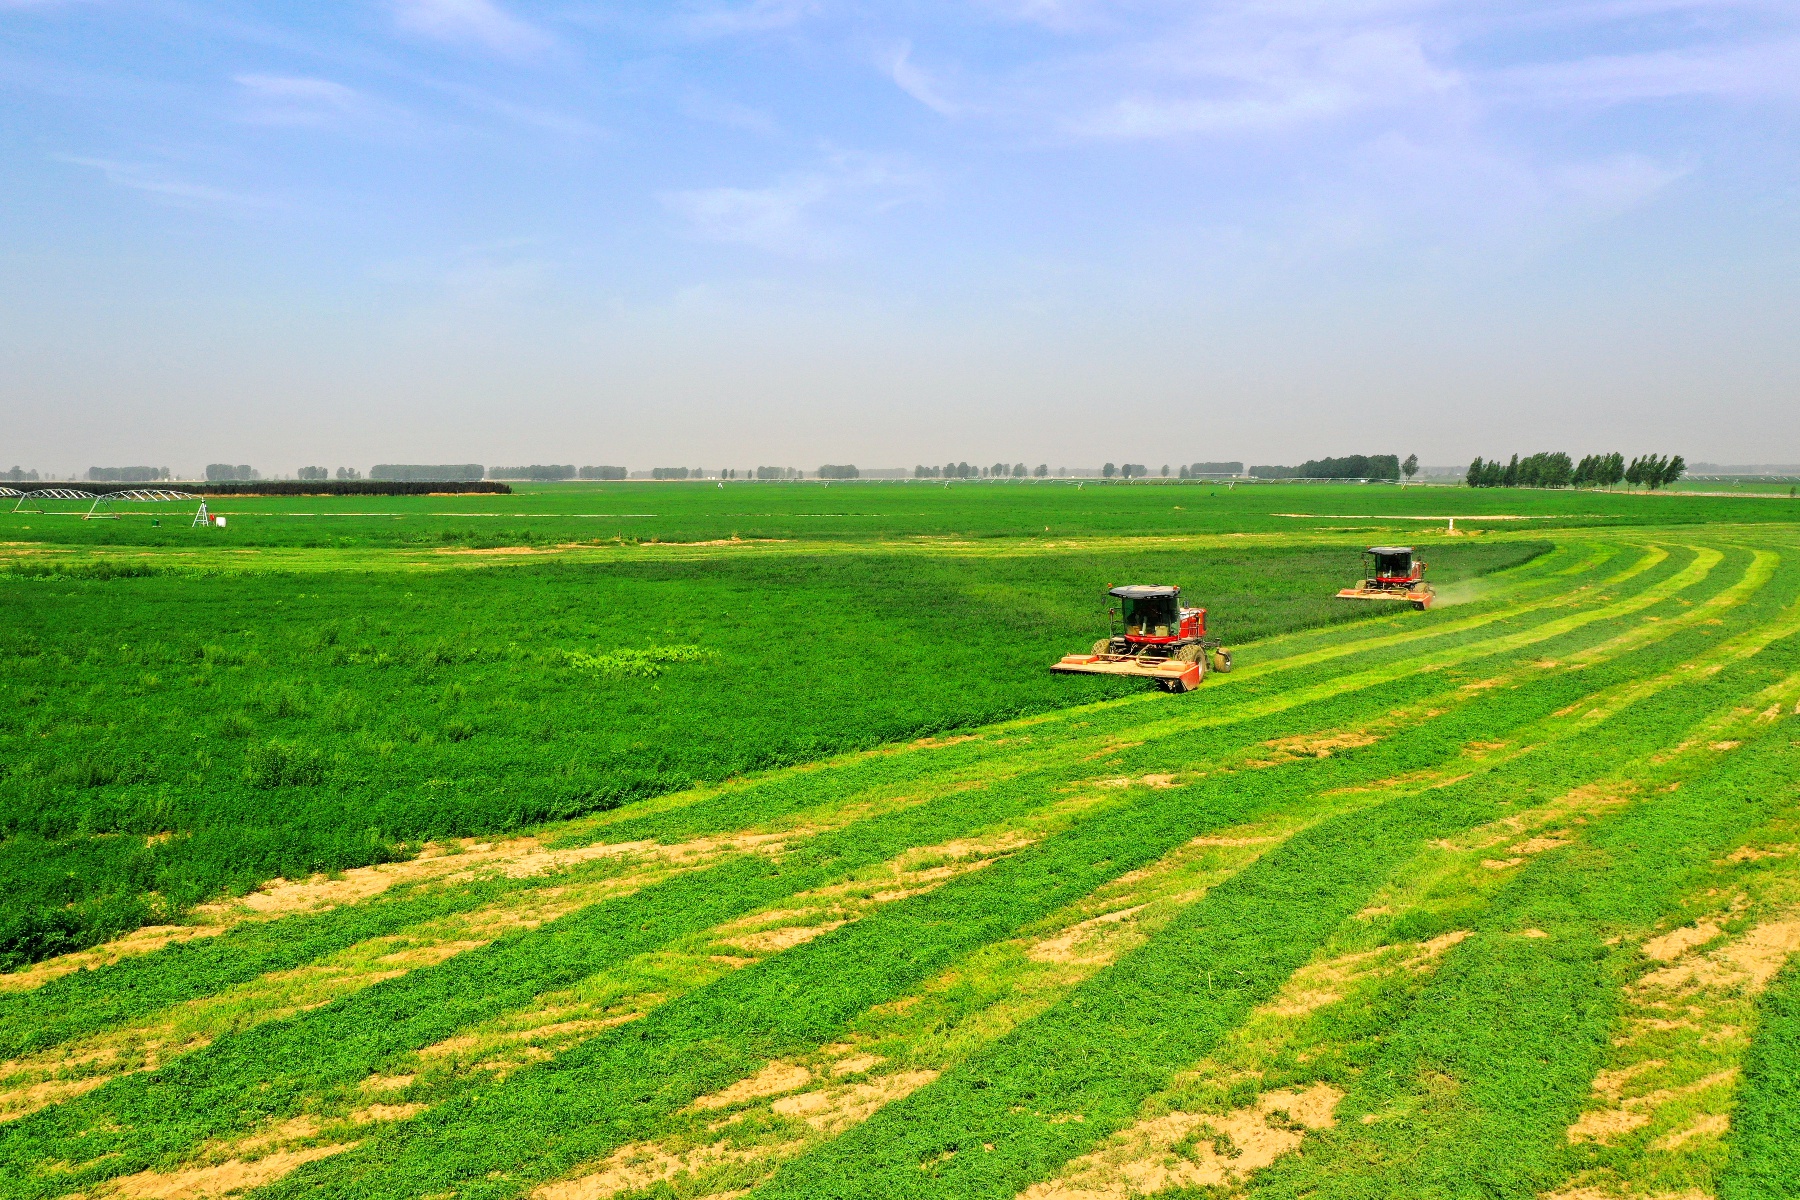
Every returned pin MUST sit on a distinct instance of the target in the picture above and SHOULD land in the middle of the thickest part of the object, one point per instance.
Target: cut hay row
(514, 1092)
(1577, 756)
(1081, 1059)
(517, 857)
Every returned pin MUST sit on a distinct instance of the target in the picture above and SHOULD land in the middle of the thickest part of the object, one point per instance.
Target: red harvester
(1392, 573)
(1161, 641)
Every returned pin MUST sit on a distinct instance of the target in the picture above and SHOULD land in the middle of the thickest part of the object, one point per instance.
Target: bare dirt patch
(1194, 1150)
(1712, 1125)
(1748, 962)
(1289, 749)
(231, 1176)
(834, 1109)
(146, 940)
(1081, 942)
(1671, 946)
(62, 1072)
(772, 1080)
(826, 1111)
(1321, 983)
(515, 858)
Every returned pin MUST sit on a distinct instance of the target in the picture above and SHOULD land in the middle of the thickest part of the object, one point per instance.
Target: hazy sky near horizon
(797, 231)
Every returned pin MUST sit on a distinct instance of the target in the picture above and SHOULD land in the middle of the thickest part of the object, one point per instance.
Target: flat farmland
(390, 865)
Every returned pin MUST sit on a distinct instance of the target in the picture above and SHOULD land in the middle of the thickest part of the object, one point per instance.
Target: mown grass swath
(1090, 1057)
(467, 1143)
(1618, 712)
(228, 730)
(1766, 1139)
(424, 1006)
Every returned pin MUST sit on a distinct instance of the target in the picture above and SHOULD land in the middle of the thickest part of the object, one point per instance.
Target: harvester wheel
(1103, 646)
(1221, 661)
(1192, 653)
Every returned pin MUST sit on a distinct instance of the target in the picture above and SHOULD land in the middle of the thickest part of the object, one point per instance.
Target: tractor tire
(1221, 661)
(1103, 646)
(1192, 653)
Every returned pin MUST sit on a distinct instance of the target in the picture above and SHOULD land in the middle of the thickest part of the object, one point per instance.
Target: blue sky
(801, 230)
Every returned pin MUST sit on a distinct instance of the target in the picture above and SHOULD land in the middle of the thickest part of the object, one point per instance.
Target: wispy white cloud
(758, 16)
(772, 218)
(1606, 186)
(471, 22)
(296, 100)
(805, 214)
(1217, 85)
(912, 79)
(160, 183)
(1745, 71)
(704, 106)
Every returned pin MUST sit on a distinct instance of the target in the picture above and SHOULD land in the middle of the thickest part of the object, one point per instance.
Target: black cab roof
(1143, 591)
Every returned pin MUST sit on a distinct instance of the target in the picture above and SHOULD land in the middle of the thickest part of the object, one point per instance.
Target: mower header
(1391, 573)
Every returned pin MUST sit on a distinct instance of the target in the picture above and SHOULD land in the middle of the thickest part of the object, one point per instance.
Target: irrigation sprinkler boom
(1392, 573)
(99, 504)
(1158, 639)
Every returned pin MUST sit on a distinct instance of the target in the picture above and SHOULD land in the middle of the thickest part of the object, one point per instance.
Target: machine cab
(1154, 614)
(1393, 564)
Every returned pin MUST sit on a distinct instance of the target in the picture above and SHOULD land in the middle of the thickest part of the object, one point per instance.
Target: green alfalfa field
(372, 847)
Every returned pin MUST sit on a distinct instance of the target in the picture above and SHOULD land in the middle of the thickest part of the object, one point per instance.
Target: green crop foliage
(832, 890)
(319, 723)
(1766, 1145)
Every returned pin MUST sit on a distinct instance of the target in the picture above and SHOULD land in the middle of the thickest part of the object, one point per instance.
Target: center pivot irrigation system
(100, 504)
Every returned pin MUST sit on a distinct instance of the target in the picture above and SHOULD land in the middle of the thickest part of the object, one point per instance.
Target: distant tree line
(668, 472)
(418, 473)
(551, 473)
(1351, 466)
(1554, 469)
(1128, 471)
(127, 474)
(777, 473)
(962, 470)
(346, 487)
(19, 475)
(838, 471)
(537, 472)
(1198, 470)
(226, 473)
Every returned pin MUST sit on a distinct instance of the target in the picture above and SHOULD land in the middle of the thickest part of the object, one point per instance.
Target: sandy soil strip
(236, 1166)
(561, 1020)
(1172, 1147)
(442, 862)
(1194, 1150)
(62, 1072)
(904, 1045)
(1687, 1022)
